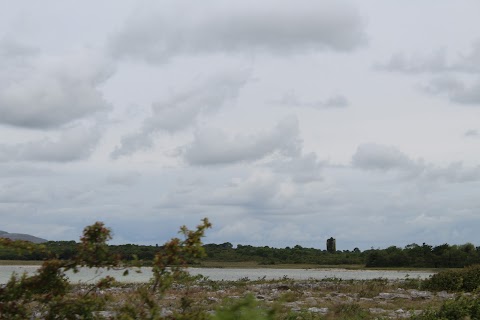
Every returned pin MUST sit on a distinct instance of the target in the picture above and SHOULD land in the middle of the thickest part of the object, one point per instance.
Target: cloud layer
(46, 92)
(71, 145)
(449, 77)
(155, 35)
(215, 147)
(265, 116)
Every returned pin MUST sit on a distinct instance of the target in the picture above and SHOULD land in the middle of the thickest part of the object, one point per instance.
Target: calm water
(91, 275)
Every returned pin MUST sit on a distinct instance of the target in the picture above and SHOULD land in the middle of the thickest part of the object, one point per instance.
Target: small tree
(49, 293)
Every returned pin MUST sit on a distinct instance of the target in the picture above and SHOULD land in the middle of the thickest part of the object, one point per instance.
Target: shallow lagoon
(91, 275)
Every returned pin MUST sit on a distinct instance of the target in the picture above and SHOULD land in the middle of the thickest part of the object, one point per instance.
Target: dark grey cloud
(181, 110)
(472, 133)
(50, 91)
(211, 147)
(384, 158)
(124, 178)
(451, 75)
(281, 26)
(400, 62)
(469, 62)
(22, 193)
(437, 62)
(455, 90)
(12, 170)
(131, 143)
(292, 100)
(71, 145)
(453, 173)
(380, 157)
(12, 50)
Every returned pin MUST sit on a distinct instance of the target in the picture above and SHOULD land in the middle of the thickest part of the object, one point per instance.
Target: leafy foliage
(463, 307)
(424, 256)
(49, 293)
(245, 309)
(467, 279)
(413, 255)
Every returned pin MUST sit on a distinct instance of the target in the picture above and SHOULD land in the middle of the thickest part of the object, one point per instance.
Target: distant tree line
(268, 255)
(424, 256)
(413, 255)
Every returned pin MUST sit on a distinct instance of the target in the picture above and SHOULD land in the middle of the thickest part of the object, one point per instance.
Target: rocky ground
(328, 299)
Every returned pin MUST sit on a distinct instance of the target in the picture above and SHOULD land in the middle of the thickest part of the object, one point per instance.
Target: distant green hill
(21, 236)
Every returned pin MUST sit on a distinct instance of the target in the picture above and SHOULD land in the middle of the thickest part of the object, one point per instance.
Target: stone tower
(331, 245)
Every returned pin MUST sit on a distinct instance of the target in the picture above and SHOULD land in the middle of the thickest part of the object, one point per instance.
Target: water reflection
(91, 275)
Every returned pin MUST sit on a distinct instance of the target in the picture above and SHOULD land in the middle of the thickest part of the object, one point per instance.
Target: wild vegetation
(48, 294)
(412, 256)
(173, 294)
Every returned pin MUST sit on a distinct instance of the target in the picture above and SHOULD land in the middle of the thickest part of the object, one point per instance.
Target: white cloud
(260, 190)
(181, 110)
(72, 144)
(292, 100)
(50, 91)
(212, 146)
(280, 26)
(303, 169)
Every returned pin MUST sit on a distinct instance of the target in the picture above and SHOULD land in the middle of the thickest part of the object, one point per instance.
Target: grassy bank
(255, 264)
(247, 265)
(20, 263)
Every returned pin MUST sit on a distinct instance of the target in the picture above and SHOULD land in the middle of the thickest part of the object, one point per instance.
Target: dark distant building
(331, 245)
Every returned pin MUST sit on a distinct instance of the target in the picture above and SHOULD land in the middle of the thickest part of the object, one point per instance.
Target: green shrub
(245, 309)
(471, 278)
(467, 279)
(49, 293)
(350, 311)
(451, 280)
(458, 309)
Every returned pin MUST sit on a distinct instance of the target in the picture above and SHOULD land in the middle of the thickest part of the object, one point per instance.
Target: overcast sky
(284, 122)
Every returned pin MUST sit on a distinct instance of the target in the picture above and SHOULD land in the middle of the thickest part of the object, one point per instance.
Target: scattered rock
(445, 295)
(420, 294)
(283, 287)
(377, 310)
(391, 296)
(104, 314)
(166, 313)
(318, 310)
(293, 305)
(311, 300)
